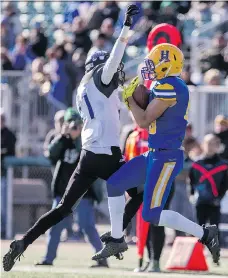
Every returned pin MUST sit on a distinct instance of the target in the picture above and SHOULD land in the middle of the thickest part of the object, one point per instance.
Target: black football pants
(208, 213)
(90, 167)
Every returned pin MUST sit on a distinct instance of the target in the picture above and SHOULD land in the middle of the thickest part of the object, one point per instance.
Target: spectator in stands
(100, 42)
(203, 13)
(214, 58)
(64, 152)
(183, 6)
(11, 24)
(78, 59)
(192, 148)
(51, 66)
(189, 132)
(4, 34)
(58, 121)
(63, 83)
(221, 130)
(220, 8)
(8, 142)
(106, 9)
(186, 76)
(107, 28)
(212, 77)
(19, 56)
(58, 124)
(38, 42)
(81, 35)
(168, 13)
(70, 12)
(6, 63)
(196, 151)
(37, 68)
(209, 178)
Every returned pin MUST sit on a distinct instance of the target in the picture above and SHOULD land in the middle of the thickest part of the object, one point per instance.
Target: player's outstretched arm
(112, 64)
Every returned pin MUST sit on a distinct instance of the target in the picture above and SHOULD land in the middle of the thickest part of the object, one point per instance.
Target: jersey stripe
(163, 90)
(166, 99)
(164, 86)
(88, 104)
(161, 184)
(165, 93)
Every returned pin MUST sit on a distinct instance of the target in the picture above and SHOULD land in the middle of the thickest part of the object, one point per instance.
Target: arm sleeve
(165, 92)
(115, 58)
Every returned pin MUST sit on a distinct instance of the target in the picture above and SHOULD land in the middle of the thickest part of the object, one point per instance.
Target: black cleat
(112, 248)
(105, 237)
(43, 263)
(101, 263)
(15, 252)
(211, 240)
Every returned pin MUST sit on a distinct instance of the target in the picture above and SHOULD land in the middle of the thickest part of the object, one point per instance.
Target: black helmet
(97, 58)
(100, 57)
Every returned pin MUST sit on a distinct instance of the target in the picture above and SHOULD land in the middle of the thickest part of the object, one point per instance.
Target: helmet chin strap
(159, 63)
(168, 70)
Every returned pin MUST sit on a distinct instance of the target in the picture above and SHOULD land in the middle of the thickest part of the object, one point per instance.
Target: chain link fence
(28, 114)
(28, 192)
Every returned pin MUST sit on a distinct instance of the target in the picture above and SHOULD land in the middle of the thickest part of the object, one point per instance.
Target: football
(141, 96)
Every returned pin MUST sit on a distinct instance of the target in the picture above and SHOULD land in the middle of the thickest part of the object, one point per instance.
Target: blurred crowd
(56, 53)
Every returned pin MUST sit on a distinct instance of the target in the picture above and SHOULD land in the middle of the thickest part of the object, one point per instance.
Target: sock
(176, 221)
(116, 209)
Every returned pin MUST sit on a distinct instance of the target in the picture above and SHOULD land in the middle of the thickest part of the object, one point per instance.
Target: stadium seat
(39, 6)
(56, 7)
(22, 6)
(58, 19)
(24, 20)
(39, 18)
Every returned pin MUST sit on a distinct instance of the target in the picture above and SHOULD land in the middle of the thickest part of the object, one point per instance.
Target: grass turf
(74, 260)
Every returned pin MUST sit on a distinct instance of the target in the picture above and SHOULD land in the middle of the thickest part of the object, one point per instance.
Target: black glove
(131, 11)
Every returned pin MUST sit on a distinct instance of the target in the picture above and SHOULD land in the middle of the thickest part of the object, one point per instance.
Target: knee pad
(151, 215)
(63, 209)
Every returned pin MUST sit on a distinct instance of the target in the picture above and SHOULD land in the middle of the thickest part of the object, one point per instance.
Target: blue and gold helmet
(163, 60)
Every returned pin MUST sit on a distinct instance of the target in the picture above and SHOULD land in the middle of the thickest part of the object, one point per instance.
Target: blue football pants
(153, 172)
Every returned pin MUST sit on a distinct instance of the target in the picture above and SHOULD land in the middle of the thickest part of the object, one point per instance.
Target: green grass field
(74, 261)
